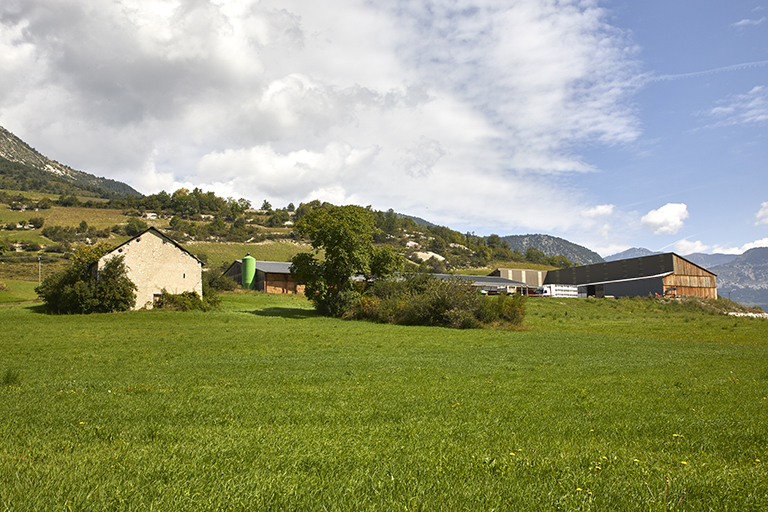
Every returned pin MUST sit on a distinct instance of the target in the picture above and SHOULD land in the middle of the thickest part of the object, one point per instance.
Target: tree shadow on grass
(293, 313)
(41, 309)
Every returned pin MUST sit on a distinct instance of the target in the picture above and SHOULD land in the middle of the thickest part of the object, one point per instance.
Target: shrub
(186, 301)
(135, 226)
(78, 290)
(217, 281)
(37, 222)
(423, 299)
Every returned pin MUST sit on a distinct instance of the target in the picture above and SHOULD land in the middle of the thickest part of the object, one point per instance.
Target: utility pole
(39, 271)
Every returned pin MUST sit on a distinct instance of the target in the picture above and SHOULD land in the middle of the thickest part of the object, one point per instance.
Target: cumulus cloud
(688, 247)
(406, 105)
(667, 220)
(762, 215)
(601, 210)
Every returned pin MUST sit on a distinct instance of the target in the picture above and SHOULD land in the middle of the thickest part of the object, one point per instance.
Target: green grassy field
(616, 405)
(17, 291)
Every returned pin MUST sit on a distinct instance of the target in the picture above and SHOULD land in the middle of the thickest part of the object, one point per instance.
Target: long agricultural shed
(665, 274)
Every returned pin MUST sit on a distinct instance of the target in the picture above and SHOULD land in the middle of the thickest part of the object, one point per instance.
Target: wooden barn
(271, 277)
(667, 275)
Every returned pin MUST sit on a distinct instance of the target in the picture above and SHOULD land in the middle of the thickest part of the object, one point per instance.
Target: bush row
(423, 299)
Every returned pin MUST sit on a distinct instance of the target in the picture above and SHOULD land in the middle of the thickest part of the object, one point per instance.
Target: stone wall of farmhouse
(153, 263)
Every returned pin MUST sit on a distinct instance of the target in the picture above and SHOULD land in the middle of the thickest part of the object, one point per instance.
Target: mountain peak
(13, 149)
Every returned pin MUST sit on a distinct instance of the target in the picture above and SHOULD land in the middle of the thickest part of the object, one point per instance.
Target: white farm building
(154, 262)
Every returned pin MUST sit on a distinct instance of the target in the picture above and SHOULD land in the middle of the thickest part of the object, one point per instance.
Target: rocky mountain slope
(710, 260)
(634, 252)
(13, 149)
(553, 246)
(745, 279)
(703, 260)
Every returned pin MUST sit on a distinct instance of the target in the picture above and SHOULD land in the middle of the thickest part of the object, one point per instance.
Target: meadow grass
(616, 405)
(17, 291)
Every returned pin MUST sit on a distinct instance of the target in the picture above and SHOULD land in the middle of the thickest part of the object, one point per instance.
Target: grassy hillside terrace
(262, 405)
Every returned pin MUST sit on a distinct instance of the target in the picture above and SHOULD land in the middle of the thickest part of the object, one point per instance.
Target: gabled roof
(157, 232)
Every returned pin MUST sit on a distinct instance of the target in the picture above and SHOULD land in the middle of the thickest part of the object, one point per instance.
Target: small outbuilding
(154, 262)
(491, 284)
(270, 277)
(533, 278)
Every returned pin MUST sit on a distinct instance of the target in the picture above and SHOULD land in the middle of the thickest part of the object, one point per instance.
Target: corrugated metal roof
(485, 280)
(274, 267)
(657, 276)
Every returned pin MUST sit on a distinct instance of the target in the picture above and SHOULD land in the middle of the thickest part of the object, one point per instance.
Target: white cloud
(454, 107)
(748, 22)
(763, 242)
(601, 210)
(762, 215)
(742, 109)
(689, 247)
(667, 220)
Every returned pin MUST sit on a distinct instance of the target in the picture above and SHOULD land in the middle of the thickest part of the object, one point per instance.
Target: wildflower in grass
(578, 489)
(684, 463)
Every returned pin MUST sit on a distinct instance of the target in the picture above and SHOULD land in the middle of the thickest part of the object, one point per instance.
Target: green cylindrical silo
(249, 271)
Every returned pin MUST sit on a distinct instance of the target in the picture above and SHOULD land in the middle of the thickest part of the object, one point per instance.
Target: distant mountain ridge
(709, 261)
(745, 278)
(13, 149)
(553, 246)
(703, 260)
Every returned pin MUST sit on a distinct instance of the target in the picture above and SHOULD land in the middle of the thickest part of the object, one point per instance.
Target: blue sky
(613, 124)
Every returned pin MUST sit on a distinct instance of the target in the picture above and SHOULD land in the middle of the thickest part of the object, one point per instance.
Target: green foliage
(79, 290)
(217, 281)
(423, 299)
(135, 226)
(278, 218)
(186, 301)
(345, 234)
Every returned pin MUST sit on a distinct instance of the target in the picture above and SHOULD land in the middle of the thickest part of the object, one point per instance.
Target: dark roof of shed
(618, 270)
(268, 267)
(274, 267)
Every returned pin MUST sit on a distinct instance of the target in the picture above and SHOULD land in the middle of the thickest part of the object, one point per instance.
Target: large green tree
(344, 234)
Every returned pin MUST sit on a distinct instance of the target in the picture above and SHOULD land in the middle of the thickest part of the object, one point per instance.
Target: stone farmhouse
(154, 262)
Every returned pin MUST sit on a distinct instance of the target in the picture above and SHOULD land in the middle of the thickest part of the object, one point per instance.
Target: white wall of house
(154, 263)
